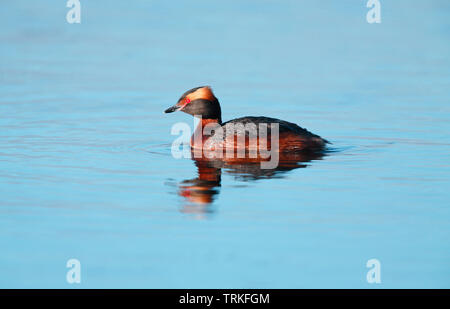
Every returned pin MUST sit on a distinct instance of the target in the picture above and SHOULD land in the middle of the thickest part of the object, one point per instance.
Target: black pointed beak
(172, 109)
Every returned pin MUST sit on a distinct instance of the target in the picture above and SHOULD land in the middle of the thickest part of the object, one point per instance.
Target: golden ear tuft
(204, 93)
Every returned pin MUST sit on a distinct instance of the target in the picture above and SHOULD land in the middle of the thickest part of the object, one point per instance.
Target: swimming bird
(201, 102)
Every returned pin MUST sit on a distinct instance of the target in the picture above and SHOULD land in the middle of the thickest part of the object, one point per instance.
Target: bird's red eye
(188, 100)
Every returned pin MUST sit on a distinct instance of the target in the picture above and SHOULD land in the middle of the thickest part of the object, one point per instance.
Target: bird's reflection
(201, 191)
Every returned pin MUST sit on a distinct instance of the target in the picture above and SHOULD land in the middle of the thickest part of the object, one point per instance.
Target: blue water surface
(86, 170)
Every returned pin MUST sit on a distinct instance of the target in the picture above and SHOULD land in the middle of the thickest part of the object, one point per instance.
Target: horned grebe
(200, 101)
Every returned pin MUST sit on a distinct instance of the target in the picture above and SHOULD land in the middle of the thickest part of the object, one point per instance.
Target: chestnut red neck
(200, 130)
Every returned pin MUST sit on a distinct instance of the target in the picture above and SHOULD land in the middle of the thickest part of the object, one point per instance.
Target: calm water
(86, 170)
